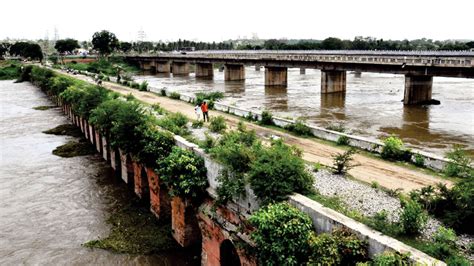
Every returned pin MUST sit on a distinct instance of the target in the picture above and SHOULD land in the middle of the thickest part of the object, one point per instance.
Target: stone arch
(228, 254)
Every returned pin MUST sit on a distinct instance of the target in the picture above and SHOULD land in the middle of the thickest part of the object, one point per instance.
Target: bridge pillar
(333, 81)
(417, 89)
(180, 68)
(163, 67)
(302, 71)
(276, 76)
(204, 70)
(234, 72)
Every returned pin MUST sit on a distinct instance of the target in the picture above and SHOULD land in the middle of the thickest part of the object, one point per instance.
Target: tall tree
(105, 42)
(125, 47)
(66, 45)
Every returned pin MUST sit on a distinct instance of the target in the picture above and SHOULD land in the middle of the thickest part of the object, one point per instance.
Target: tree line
(359, 43)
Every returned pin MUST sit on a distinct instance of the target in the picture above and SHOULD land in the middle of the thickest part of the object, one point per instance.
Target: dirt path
(386, 174)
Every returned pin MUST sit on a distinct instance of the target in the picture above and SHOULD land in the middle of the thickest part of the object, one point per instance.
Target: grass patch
(74, 148)
(9, 70)
(65, 130)
(44, 107)
(135, 230)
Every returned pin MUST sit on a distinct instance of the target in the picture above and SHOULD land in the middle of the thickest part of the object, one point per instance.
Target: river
(371, 106)
(51, 205)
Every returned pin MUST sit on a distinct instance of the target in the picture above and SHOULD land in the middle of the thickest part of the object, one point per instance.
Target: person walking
(197, 110)
(204, 109)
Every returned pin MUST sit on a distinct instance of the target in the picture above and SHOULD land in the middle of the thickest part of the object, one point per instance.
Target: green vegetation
(157, 145)
(197, 124)
(278, 171)
(390, 258)
(419, 160)
(105, 42)
(184, 173)
(342, 161)
(9, 70)
(175, 122)
(134, 229)
(114, 66)
(267, 118)
(209, 97)
(394, 149)
(217, 124)
(299, 128)
(413, 218)
(175, 95)
(454, 207)
(65, 130)
(44, 107)
(282, 235)
(343, 140)
(337, 127)
(26, 50)
(143, 86)
(459, 163)
(74, 148)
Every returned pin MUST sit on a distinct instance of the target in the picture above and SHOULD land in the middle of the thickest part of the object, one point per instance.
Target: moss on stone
(43, 107)
(74, 148)
(135, 231)
(66, 129)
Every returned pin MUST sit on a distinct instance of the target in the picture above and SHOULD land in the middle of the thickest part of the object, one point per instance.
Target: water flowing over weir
(371, 106)
(51, 205)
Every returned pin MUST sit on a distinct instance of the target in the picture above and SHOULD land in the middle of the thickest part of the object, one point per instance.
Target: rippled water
(371, 106)
(50, 205)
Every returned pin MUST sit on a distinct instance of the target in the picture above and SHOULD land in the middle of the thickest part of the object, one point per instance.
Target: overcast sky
(214, 20)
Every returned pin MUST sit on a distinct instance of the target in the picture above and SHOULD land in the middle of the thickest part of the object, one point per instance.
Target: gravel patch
(369, 201)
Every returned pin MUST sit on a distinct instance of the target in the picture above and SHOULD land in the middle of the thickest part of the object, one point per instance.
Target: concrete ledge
(325, 220)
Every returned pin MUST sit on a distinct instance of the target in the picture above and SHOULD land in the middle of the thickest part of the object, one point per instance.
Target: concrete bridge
(419, 67)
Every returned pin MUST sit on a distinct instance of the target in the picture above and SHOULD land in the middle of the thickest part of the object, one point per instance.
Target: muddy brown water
(371, 106)
(50, 205)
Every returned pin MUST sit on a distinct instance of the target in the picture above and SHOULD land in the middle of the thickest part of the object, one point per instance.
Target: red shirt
(204, 107)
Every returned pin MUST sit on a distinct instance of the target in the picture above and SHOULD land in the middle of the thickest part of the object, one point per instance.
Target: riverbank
(52, 205)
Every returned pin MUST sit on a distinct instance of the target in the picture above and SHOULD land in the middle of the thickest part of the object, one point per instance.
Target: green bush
(104, 116)
(412, 218)
(337, 127)
(134, 85)
(174, 122)
(143, 86)
(60, 84)
(217, 124)
(299, 128)
(459, 163)
(157, 145)
(342, 161)
(342, 140)
(175, 95)
(419, 160)
(316, 167)
(391, 258)
(184, 173)
(444, 247)
(210, 97)
(163, 92)
(208, 143)
(91, 97)
(197, 124)
(282, 235)
(25, 74)
(41, 77)
(124, 133)
(454, 207)
(267, 118)
(339, 248)
(10, 71)
(277, 172)
(393, 148)
(72, 96)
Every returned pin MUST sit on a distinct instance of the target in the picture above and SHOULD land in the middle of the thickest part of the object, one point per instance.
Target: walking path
(386, 174)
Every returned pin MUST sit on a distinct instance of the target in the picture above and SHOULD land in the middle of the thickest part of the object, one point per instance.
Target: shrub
(163, 92)
(299, 128)
(91, 97)
(41, 77)
(342, 161)
(393, 148)
(339, 248)
(175, 95)
(282, 235)
(12, 71)
(211, 97)
(337, 127)
(25, 74)
(444, 247)
(134, 85)
(124, 133)
(316, 167)
(174, 122)
(391, 258)
(419, 160)
(277, 172)
(267, 118)
(208, 143)
(184, 173)
(197, 124)
(412, 218)
(157, 108)
(342, 140)
(217, 124)
(72, 96)
(157, 145)
(103, 117)
(60, 84)
(459, 163)
(143, 86)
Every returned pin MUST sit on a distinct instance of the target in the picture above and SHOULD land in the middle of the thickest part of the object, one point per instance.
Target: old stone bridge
(419, 67)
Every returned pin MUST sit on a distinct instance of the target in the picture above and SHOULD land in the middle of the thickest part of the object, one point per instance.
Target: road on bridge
(386, 174)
